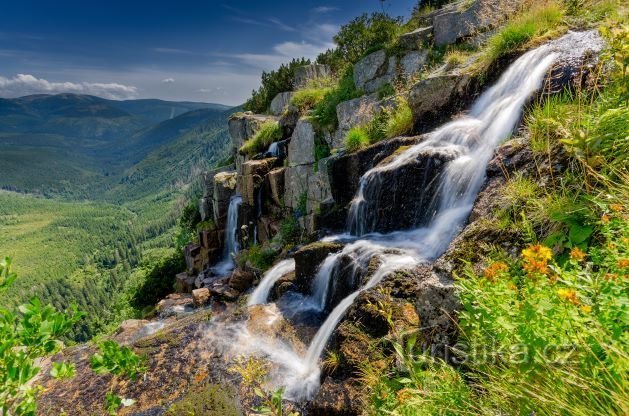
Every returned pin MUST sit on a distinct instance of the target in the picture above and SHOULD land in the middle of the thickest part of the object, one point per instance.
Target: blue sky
(194, 50)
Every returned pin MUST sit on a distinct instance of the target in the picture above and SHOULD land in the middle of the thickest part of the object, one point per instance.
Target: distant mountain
(80, 146)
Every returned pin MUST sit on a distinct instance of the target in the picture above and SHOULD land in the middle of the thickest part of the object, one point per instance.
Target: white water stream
(231, 238)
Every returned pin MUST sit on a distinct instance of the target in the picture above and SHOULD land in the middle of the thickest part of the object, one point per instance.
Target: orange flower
(512, 286)
(496, 270)
(577, 254)
(536, 259)
(610, 276)
(605, 219)
(405, 395)
(616, 207)
(623, 263)
(568, 295)
(586, 308)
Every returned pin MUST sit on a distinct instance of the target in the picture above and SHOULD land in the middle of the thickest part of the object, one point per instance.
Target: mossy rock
(207, 400)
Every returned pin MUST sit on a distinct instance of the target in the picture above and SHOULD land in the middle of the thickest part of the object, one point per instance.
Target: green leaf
(578, 234)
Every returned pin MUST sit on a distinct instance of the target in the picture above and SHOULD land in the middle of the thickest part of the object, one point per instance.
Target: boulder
(194, 258)
(280, 103)
(288, 120)
(354, 113)
(413, 62)
(224, 189)
(184, 283)
(308, 259)
(319, 188)
(301, 149)
(374, 71)
(434, 98)
(306, 73)
(242, 280)
(416, 39)
(242, 126)
(174, 304)
(201, 297)
(275, 185)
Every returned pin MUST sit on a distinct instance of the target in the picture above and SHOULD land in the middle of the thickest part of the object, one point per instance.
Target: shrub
(117, 360)
(357, 38)
(356, 139)
(159, 280)
(268, 133)
(273, 83)
(312, 94)
(260, 257)
(324, 113)
(290, 231)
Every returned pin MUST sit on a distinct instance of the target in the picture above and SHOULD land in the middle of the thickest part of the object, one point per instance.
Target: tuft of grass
(534, 21)
(313, 93)
(400, 119)
(268, 133)
(357, 138)
(324, 113)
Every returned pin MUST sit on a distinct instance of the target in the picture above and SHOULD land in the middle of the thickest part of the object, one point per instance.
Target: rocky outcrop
(280, 103)
(308, 259)
(417, 39)
(252, 177)
(242, 127)
(224, 189)
(301, 149)
(377, 69)
(307, 73)
(200, 297)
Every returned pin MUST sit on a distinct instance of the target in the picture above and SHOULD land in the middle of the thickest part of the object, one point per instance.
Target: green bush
(117, 360)
(290, 231)
(27, 336)
(324, 113)
(274, 82)
(259, 256)
(268, 133)
(307, 98)
(357, 38)
(357, 138)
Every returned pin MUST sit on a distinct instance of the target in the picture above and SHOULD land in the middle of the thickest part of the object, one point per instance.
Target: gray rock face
(319, 188)
(309, 72)
(357, 111)
(369, 68)
(296, 179)
(456, 21)
(413, 62)
(417, 38)
(204, 209)
(243, 126)
(302, 145)
(280, 102)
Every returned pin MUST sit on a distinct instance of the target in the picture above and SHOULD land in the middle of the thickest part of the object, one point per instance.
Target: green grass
(268, 133)
(400, 119)
(534, 21)
(324, 113)
(313, 93)
(357, 138)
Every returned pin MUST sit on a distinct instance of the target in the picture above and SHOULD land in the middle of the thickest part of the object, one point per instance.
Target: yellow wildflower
(577, 254)
(586, 308)
(536, 259)
(616, 207)
(610, 276)
(623, 263)
(568, 295)
(605, 219)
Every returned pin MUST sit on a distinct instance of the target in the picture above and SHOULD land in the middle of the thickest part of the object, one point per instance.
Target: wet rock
(417, 39)
(280, 103)
(174, 304)
(242, 280)
(224, 292)
(309, 258)
(200, 297)
(307, 73)
(336, 399)
(193, 255)
(224, 189)
(301, 149)
(296, 185)
(205, 209)
(346, 170)
(129, 328)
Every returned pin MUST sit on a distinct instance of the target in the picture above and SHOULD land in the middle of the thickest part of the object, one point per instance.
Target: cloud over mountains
(26, 84)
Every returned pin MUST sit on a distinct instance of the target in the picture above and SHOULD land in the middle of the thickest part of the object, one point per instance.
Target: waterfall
(261, 293)
(231, 238)
(464, 147)
(274, 150)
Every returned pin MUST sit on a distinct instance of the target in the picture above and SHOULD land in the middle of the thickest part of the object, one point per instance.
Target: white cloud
(168, 80)
(26, 84)
(325, 9)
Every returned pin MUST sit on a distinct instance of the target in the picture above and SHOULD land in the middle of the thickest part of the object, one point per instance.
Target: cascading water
(231, 238)
(261, 294)
(465, 147)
